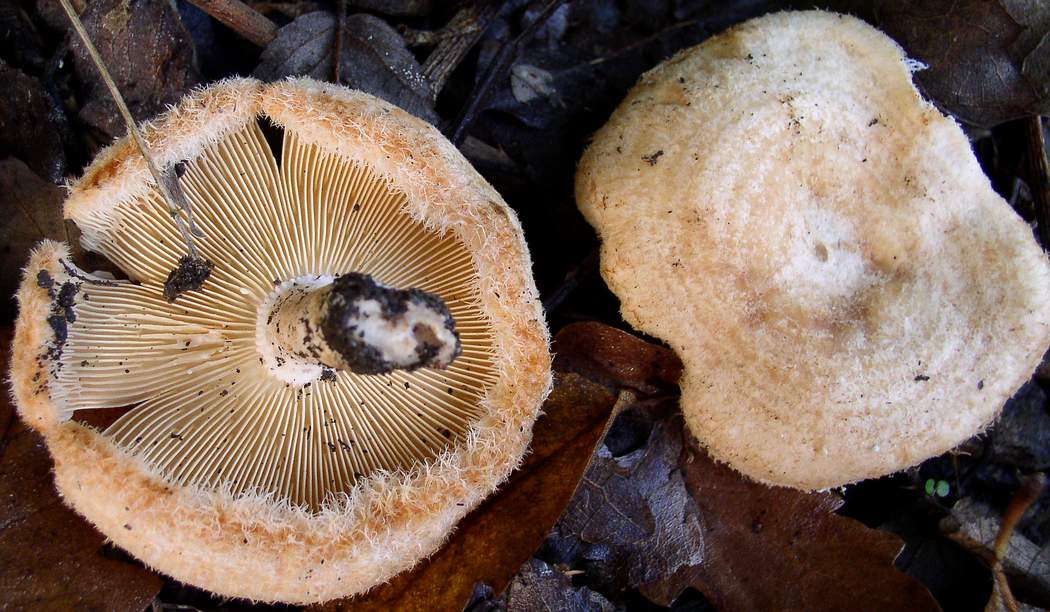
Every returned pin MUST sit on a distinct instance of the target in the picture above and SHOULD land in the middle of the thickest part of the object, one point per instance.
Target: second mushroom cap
(819, 245)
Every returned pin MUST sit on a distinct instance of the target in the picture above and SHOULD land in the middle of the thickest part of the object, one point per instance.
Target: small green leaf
(930, 486)
(943, 488)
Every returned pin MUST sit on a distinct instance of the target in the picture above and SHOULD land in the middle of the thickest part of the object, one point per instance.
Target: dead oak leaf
(777, 548)
(655, 513)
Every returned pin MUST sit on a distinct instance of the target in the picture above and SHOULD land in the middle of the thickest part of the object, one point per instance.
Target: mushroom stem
(357, 324)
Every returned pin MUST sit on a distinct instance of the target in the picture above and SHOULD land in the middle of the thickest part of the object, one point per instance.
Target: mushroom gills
(212, 405)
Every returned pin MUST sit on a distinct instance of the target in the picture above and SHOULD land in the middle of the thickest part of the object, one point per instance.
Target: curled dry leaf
(616, 358)
(637, 506)
(147, 50)
(974, 526)
(52, 559)
(375, 59)
(538, 586)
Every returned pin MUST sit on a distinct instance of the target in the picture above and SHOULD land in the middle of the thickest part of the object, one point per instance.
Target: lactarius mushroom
(820, 247)
(361, 367)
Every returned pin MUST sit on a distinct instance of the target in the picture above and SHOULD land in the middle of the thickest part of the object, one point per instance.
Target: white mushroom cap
(819, 245)
(224, 473)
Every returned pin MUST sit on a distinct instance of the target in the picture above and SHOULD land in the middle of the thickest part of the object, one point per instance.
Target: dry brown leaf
(772, 548)
(653, 512)
(31, 210)
(50, 558)
(617, 358)
(987, 60)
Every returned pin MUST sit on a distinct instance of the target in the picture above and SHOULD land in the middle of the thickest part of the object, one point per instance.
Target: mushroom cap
(819, 245)
(222, 474)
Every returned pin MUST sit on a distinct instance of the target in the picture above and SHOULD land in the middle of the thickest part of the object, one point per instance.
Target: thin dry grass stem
(166, 187)
(340, 33)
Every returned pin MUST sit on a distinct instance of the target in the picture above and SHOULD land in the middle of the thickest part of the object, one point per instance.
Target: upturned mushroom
(819, 245)
(360, 368)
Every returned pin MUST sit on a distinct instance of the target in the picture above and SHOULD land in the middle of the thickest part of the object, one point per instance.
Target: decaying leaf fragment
(655, 513)
(147, 50)
(975, 526)
(807, 557)
(637, 505)
(32, 210)
(32, 125)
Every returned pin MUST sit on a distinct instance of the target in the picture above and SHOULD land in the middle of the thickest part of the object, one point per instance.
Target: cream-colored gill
(209, 412)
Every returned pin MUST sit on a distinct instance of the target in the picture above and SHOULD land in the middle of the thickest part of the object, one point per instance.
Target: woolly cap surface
(820, 247)
(225, 472)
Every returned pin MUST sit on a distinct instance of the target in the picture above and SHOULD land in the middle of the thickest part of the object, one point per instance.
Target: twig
(163, 185)
(496, 70)
(1039, 177)
(455, 40)
(1031, 488)
(241, 18)
(290, 10)
(340, 33)
(430, 38)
